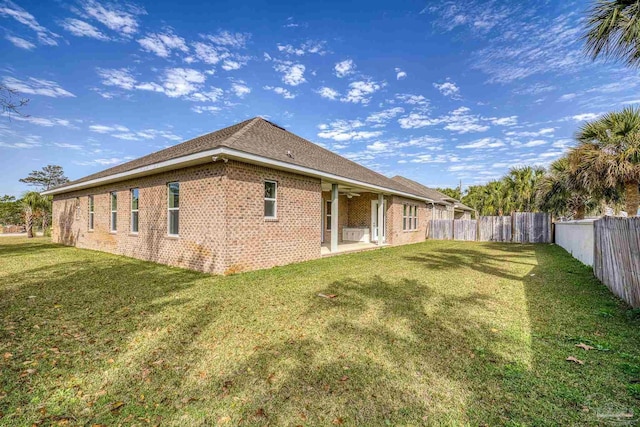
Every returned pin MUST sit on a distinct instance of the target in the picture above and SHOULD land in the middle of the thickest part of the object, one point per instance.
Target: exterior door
(374, 221)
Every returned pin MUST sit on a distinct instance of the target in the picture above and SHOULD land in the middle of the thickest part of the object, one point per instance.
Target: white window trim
(274, 200)
(327, 207)
(173, 209)
(111, 229)
(410, 217)
(134, 210)
(92, 206)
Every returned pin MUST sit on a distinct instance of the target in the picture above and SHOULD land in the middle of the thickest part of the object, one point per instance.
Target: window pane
(174, 219)
(174, 195)
(90, 203)
(404, 211)
(134, 199)
(404, 223)
(328, 216)
(270, 208)
(269, 190)
(114, 201)
(134, 222)
(114, 221)
(91, 221)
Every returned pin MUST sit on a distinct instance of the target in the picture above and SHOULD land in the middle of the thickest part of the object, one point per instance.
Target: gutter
(228, 153)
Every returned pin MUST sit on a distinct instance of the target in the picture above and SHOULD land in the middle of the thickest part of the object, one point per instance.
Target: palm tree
(608, 155)
(32, 203)
(559, 192)
(522, 183)
(613, 30)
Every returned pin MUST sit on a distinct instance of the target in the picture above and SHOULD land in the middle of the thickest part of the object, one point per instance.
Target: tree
(608, 155)
(613, 30)
(49, 177)
(32, 204)
(455, 193)
(522, 182)
(559, 192)
(10, 210)
(10, 102)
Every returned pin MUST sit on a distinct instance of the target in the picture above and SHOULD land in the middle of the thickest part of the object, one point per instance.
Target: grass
(438, 333)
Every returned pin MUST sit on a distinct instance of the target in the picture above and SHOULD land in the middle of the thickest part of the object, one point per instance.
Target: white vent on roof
(289, 154)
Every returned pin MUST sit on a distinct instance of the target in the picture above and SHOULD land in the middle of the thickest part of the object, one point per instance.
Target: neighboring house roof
(434, 195)
(255, 140)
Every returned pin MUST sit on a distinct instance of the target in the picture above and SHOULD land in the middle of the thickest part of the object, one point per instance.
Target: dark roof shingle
(260, 137)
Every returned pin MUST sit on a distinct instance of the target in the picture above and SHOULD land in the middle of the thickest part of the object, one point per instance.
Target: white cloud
(292, 73)
(11, 10)
(327, 92)
(585, 117)
(226, 38)
(182, 81)
(412, 99)
(162, 44)
(504, 121)
(385, 115)
(240, 89)
(344, 68)
(532, 143)
(121, 18)
(103, 161)
(230, 65)
(213, 94)
(378, 147)
(483, 143)
(69, 146)
(541, 132)
(205, 109)
(633, 101)
(108, 129)
(308, 47)
(209, 54)
(120, 77)
(567, 97)
(430, 158)
(416, 120)
(20, 42)
(40, 121)
(459, 120)
(449, 89)
(82, 29)
(361, 91)
(35, 86)
(345, 130)
(400, 74)
(280, 91)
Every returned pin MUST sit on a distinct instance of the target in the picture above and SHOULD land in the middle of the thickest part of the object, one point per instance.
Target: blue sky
(434, 91)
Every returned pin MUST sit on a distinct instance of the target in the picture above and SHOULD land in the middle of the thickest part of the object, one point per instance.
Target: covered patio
(353, 219)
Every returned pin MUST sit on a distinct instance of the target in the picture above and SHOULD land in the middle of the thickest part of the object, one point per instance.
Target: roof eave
(229, 153)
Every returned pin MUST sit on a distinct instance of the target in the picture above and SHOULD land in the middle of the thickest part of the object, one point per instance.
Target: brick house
(246, 197)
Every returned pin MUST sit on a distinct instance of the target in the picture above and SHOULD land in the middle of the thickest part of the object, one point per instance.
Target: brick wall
(395, 234)
(254, 242)
(222, 224)
(201, 242)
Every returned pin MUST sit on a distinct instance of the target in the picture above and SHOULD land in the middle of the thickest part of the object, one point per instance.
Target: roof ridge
(237, 134)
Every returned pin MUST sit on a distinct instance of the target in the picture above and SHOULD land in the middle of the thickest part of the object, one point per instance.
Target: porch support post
(334, 218)
(380, 219)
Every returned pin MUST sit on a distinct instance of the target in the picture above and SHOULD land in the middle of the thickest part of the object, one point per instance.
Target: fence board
(530, 227)
(465, 229)
(441, 229)
(494, 229)
(617, 256)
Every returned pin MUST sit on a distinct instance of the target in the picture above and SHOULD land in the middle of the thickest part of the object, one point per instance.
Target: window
(90, 212)
(114, 211)
(410, 217)
(134, 210)
(328, 212)
(270, 192)
(173, 207)
(77, 207)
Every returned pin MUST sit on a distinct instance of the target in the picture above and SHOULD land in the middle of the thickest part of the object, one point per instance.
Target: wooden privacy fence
(521, 227)
(616, 260)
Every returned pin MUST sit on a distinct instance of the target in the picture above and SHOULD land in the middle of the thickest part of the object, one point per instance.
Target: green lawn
(438, 333)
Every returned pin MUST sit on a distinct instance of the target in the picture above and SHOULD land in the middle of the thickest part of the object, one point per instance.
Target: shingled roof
(430, 193)
(261, 138)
